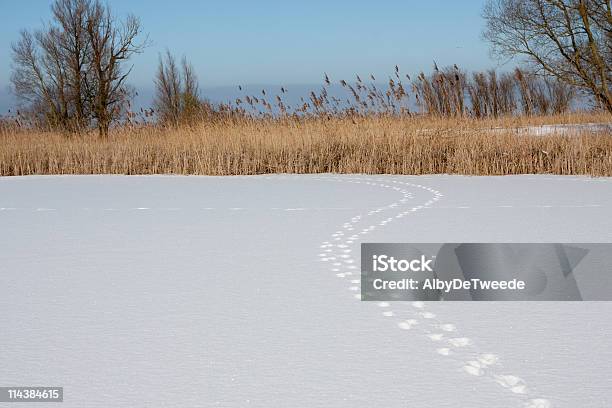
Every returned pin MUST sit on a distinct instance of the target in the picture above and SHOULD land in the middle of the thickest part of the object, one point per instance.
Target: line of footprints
(449, 343)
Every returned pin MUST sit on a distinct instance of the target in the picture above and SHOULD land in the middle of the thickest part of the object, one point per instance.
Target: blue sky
(284, 42)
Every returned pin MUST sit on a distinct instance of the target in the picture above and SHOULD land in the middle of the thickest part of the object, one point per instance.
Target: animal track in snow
(448, 327)
(514, 383)
(459, 348)
(538, 403)
(460, 342)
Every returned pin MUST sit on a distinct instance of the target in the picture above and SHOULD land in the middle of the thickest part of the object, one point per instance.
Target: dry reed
(372, 144)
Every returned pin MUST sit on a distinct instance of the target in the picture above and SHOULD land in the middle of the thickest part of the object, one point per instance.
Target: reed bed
(371, 144)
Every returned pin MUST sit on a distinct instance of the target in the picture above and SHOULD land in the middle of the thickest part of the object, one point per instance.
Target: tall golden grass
(370, 144)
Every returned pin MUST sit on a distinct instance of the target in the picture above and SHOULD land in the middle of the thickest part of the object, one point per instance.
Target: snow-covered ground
(240, 291)
(561, 129)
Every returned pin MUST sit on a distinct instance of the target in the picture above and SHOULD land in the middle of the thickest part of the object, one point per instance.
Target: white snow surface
(560, 129)
(151, 291)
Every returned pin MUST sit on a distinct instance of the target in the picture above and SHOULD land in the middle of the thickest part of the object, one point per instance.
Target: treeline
(72, 74)
(451, 92)
(447, 92)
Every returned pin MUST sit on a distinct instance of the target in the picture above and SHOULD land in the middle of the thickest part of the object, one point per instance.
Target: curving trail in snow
(448, 341)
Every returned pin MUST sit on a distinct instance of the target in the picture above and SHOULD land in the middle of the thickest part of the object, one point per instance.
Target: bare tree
(71, 74)
(570, 40)
(176, 91)
(191, 92)
(168, 90)
(71, 17)
(38, 78)
(112, 44)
